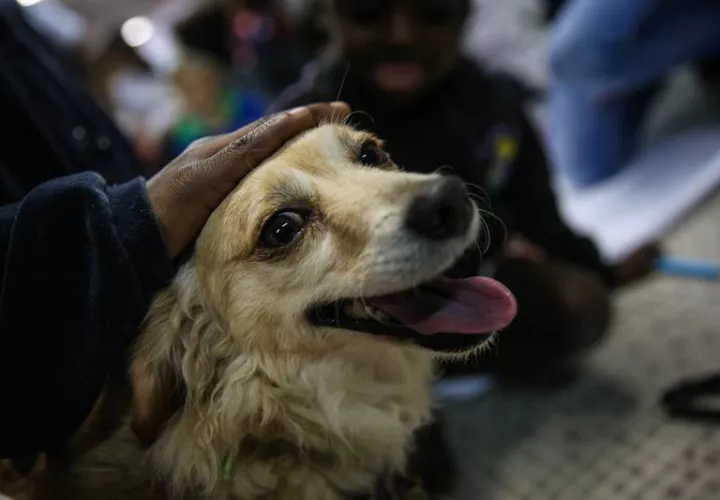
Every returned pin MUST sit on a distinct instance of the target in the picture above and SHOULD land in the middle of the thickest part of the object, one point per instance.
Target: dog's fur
(227, 363)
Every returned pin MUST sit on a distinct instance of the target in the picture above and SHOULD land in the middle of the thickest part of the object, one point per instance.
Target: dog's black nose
(441, 210)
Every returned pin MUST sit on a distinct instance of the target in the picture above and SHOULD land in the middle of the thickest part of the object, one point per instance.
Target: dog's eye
(282, 229)
(372, 155)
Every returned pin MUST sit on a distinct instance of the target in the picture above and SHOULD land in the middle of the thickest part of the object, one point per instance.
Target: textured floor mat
(605, 437)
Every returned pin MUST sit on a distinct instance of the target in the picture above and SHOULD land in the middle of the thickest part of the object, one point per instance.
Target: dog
(291, 357)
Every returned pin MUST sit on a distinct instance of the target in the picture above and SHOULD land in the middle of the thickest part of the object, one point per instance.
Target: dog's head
(330, 236)
(326, 245)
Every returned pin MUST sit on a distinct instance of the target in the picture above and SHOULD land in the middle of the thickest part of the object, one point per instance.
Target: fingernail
(339, 104)
(298, 111)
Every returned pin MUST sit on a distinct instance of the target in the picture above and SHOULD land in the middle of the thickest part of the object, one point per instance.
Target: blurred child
(210, 104)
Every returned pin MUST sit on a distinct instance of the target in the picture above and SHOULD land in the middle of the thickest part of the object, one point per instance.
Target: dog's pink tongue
(472, 306)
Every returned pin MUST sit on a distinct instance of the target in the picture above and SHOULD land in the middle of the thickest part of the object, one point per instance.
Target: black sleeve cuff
(140, 233)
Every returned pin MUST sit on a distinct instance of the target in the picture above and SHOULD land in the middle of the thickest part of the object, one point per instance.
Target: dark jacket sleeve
(79, 263)
(535, 213)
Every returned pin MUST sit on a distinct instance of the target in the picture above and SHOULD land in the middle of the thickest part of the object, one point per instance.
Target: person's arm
(79, 263)
(535, 214)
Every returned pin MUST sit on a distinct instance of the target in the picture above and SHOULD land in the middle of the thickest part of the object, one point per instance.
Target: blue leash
(688, 268)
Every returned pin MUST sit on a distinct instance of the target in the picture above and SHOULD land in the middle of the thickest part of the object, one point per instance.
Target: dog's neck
(346, 414)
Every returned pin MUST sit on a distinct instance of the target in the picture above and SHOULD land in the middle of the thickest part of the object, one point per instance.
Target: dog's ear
(157, 391)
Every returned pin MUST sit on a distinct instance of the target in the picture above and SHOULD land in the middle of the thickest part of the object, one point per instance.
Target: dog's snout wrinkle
(441, 210)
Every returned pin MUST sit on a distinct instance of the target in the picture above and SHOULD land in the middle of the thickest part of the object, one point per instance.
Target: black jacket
(80, 251)
(464, 123)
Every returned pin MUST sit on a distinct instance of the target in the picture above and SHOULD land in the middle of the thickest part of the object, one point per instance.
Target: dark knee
(586, 305)
(562, 312)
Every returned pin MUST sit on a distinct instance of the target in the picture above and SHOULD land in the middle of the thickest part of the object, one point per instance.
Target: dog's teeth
(356, 309)
(349, 309)
(381, 315)
(376, 313)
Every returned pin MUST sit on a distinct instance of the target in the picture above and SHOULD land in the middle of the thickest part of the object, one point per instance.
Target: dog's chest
(341, 433)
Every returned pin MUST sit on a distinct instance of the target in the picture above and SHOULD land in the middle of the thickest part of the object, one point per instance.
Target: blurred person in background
(608, 59)
(260, 41)
(398, 62)
(85, 240)
(141, 101)
(210, 104)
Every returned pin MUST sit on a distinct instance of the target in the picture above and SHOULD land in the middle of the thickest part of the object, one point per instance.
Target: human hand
(188, 189)
(638, 265)
(518, 247)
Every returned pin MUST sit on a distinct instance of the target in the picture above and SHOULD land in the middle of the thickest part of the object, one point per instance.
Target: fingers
(253, 146)
(186, 191)
(298, 119)
(333, 112)
(280, 126)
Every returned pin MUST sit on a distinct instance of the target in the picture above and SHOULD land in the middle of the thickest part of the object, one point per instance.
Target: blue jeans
(606, 57)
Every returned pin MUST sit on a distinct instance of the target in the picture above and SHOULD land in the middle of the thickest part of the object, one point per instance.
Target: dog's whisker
(475, 197)
(476, 186)
(485, 227)
(478, 193)
(479, 188)
(342, 82)
(488, 237)
(349, 117)
(479, 199)
(488, 214)
(476, 246)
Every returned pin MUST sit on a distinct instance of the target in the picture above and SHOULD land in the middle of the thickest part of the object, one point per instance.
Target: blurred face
(400, 47)
(201, 88)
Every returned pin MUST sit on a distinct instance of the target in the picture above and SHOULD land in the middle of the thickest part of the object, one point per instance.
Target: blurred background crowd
(171, 71)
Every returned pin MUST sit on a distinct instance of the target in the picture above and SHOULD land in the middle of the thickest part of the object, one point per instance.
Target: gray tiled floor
(604, 437)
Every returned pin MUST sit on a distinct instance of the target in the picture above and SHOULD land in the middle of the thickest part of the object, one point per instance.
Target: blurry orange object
(520, 248)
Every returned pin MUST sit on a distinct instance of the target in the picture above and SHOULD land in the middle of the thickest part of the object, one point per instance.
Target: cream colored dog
(291, 357)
